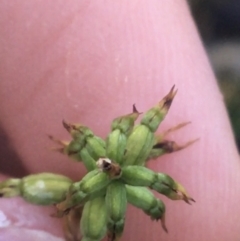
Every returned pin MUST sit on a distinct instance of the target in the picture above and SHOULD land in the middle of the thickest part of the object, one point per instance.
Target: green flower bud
(75, 186)
(94, 220)
(80, 192)
(139, 146)
(155, 115)
(41, 189)
(170, 188)
(85, 146)
(162, 183)
(87, 160)
(116, 144)
(138, 176)
(117, 139)
(142, 198)
(74, 147)
(96, 147)
(125, 123)
(116, 204)
(93, 183)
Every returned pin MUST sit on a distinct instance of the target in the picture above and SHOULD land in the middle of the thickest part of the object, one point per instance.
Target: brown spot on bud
(112, 169)
(172, 146)
(167, 146)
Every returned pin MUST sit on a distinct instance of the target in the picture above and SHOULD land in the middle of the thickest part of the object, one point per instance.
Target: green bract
(117, 175)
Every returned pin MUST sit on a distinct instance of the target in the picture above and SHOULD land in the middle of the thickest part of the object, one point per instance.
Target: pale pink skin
(89, 61)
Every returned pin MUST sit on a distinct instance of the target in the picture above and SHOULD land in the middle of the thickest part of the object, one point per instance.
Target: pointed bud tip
(66, 125)
(172, 92)
(57, 141)
(167, 100)
(135, 110)
(163, 223)
(175, 128)
(189, 143)
(187, 198)
(165, 228)
(63, 144)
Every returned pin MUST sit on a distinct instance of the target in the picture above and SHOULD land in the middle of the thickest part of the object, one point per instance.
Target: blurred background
(218, 22)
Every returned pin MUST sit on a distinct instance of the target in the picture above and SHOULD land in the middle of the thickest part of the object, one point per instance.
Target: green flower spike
(96, 205)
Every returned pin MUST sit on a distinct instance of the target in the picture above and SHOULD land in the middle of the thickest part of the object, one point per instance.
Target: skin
(88, 62)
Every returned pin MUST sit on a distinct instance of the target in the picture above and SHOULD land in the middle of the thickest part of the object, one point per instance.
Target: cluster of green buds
(95, 206)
